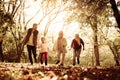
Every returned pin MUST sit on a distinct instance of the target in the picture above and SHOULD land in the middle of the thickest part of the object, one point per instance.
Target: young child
(77, 44)
(43, 51)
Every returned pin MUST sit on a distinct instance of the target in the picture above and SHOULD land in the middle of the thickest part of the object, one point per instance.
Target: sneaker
(73, 64)
(31, 63)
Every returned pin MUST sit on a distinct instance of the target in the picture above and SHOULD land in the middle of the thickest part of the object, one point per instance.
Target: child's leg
(41, 61)
(78, 56)
(45, 62)
(46, 57)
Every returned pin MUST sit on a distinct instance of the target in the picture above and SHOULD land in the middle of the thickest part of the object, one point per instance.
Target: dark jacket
(35, 33)
(75, 44)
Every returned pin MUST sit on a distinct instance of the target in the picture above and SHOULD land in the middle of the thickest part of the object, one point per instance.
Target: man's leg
(34, 53)
(29, 53)
(41, 58)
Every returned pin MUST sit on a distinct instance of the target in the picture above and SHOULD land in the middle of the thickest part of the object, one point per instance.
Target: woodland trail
(25, 71)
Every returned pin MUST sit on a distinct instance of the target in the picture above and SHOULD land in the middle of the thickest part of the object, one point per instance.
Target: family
(60, 47)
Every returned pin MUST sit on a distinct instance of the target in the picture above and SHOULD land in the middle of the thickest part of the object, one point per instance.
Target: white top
(43, 47)
(30, 42)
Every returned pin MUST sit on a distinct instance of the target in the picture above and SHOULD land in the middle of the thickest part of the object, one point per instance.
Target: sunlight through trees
(86, 17)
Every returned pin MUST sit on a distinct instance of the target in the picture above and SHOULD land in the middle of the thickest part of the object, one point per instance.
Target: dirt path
(25, 71)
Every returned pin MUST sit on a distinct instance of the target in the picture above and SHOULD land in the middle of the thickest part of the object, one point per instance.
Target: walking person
(60, 48)
(31, 42)
(77, 44)
(43, 51)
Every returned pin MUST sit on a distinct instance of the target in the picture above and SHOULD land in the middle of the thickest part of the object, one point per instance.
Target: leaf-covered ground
(25, 71)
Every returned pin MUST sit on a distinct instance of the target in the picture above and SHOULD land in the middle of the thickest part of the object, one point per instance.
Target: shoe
(46, 62)
(31, 63)
(61, 64)
(41, 61)
(57, 62)
(73, 64)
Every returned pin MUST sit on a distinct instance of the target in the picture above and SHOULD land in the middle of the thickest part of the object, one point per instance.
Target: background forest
(94, 20)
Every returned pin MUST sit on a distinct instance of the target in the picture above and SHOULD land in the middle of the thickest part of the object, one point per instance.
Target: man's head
(35, 26)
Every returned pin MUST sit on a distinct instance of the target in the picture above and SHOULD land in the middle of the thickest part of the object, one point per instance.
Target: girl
(43, 51)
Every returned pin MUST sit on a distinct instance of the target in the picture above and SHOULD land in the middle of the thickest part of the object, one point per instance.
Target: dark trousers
(31, 50)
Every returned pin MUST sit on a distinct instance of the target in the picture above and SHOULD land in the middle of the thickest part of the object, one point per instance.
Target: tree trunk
(96, 48)
(1, 52)
(115, 48)
(116, 12)
(115, 56)
(96, 52)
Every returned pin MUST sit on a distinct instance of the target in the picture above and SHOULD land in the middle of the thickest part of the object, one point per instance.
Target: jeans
(31, 50)
(60, 55)
(76, 54)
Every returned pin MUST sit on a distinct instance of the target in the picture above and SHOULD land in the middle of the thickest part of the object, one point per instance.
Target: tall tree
(8, 10)
(116, 12)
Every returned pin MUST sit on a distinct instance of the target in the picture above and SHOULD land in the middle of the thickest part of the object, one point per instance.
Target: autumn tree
(116, 12)
(8, 10)
(95, 14)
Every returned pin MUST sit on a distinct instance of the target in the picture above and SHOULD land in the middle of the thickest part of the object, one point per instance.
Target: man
(60, 48)
(77, 44)
(31, 42)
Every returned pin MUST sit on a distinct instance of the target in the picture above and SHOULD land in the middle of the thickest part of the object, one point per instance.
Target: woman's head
(60, 34)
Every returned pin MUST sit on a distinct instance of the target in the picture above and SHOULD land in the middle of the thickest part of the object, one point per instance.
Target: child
(77, 44)
(43, 51)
